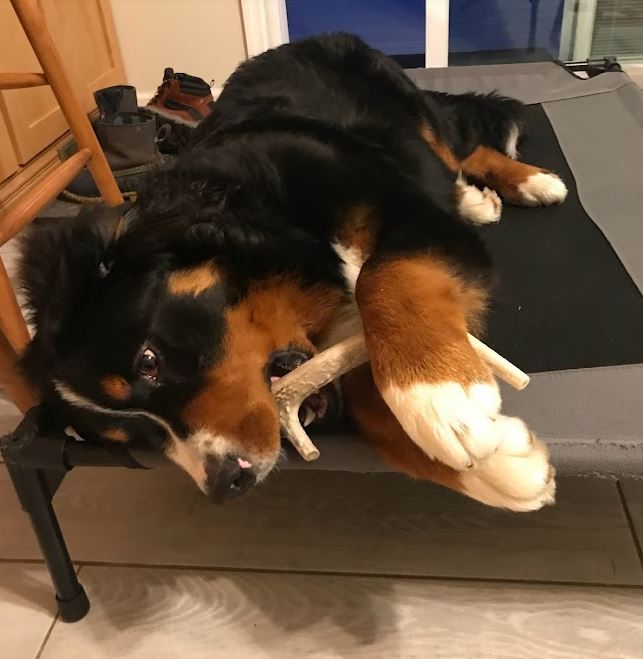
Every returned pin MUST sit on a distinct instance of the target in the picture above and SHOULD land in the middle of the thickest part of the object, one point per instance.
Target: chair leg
(12, 322)
(14, 336)
(35, 496)
(35, 27)
(15, 386)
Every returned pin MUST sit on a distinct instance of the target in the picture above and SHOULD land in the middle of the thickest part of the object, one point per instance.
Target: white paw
(517, 476)
(450, 422)
(478, 206)
(542, 189)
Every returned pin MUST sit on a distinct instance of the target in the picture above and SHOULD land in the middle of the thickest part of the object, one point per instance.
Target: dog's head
(144, 332)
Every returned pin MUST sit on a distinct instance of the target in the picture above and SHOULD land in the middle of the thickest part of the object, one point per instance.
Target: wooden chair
(36, 483)
(14, 334)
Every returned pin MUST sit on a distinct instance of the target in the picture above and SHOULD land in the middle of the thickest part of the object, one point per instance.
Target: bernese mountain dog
(326, 193)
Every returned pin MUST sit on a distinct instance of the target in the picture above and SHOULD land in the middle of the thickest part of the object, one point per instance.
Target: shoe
(130, 145)
(122, 98)
(115, 99)
(183, 101)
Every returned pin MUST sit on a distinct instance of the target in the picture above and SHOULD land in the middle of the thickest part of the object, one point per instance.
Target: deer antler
(292, 389)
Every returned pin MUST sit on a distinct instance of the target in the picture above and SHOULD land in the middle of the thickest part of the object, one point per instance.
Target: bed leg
(35, 489)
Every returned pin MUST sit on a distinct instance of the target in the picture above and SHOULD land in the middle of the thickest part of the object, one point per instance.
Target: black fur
(466, 121)
(298, 135)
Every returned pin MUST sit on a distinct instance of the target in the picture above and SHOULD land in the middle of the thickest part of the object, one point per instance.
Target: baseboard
(145, 96)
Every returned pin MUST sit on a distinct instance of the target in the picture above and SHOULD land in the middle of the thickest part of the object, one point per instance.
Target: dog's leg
(475, 205)
(416, 313)
(517, 476)
(415, 324)
(516, 182)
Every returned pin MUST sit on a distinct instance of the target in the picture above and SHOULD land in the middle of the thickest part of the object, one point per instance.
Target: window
(396, 27)
(459, 32)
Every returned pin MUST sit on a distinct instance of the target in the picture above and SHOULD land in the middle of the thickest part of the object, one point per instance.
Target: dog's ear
(62, 262)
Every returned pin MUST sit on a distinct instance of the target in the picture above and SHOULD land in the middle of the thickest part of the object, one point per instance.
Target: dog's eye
(148, 365)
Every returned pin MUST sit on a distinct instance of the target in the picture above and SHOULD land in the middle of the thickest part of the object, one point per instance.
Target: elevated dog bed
(568, 308)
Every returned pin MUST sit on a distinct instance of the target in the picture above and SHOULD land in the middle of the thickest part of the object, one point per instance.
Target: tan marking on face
(193, 281)
(441, 149)
(498, 171)
(116, 387)
(116, 435)
(415, 313)
(236, 401)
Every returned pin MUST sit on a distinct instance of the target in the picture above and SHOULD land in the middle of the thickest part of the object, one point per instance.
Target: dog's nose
(228, 479)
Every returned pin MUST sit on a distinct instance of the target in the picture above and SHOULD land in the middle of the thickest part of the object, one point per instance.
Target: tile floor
(319, 564)
(326, 564)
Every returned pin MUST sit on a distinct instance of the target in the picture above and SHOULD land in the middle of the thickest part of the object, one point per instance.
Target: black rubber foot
(74, 609)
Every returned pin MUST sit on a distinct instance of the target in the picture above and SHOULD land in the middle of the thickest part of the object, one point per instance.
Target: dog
(326, 193)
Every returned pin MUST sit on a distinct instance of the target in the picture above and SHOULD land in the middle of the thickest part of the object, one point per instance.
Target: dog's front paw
(478, 206)
(541, 189)
(518, 476)
(450, 422)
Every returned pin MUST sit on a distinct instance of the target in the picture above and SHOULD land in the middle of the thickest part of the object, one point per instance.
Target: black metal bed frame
(38, 457)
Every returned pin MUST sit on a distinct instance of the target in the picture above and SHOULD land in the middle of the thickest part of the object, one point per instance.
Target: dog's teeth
(309, 417)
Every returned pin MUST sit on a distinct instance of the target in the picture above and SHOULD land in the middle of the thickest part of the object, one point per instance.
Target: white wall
(200, 37)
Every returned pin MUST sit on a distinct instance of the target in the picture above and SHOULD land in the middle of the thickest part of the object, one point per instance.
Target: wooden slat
(8, 159)
(336, 522)
(28, 207)
(35, 27)
(15, 387)
(22, 80)
(12, 322)
(172, 613)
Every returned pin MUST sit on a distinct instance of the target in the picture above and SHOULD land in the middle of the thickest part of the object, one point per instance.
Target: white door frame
(567, 28)
(584, 29)
(265, 24)
(436, 33)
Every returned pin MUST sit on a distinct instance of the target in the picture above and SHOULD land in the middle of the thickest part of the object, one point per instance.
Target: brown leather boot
(182, 97)
(182, 101)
